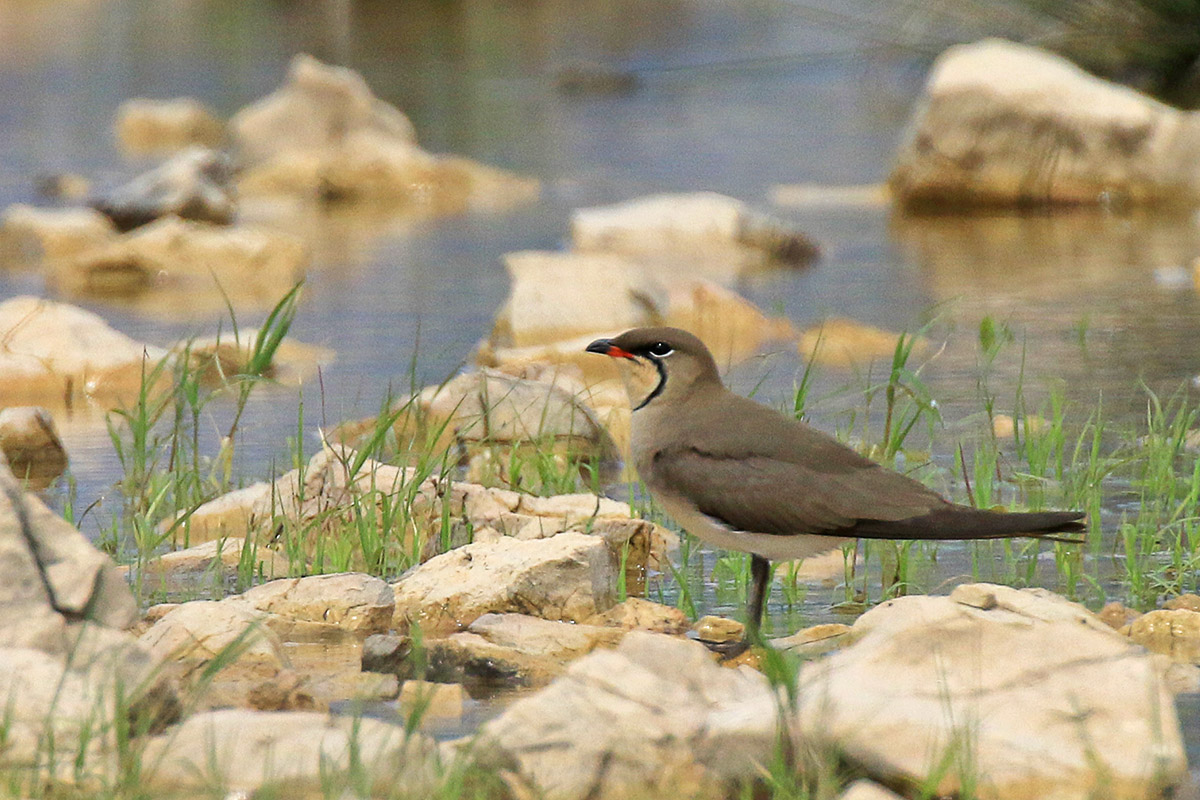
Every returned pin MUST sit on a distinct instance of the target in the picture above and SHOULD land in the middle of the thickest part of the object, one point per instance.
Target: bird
(742, 476)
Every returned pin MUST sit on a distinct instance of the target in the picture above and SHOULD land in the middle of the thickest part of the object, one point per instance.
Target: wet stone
(386, 653)
(718, 629)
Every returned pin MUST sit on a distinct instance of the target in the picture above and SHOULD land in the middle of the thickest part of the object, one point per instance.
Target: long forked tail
(964, 522)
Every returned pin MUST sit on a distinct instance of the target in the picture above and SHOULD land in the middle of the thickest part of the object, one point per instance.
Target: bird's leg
(760, 573)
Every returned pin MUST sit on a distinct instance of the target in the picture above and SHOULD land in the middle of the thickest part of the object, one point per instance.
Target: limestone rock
(846, 343)
(655, 717)
(31, 445)
(288, 753)
(194, 185)
(558, 641)
(470, 659)
(570, 576)
(58, 354)
(692, 224)
(178, 263)
(1189, 601)
(814, 640)
(192, 635)
(1115, 615)
(162, 126)
(1048, 700)
(718, 629)
(219, 357)
(214, 563)
(441, 700)
(31, 237)
(867, 790)
(644, 615)
(1007, 124)
(386, 653)
(323, 134)
(350, 602)
(1173, 632)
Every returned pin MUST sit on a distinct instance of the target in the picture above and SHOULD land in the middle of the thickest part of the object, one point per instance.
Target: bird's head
(659, 362)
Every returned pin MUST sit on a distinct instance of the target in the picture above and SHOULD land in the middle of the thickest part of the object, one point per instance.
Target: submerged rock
(196, 185)
(214, 564)
(31, 445)
(1035, 694)
(693, 225)
(654, 718)
(32, 237)
(1011, 125)
(571, 576)
(146, 126)
(324, 135)
(173, 262)
(845, 343)
(57, 354)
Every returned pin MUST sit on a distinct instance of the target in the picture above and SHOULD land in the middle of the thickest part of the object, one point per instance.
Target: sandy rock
(566, 577)
(180, 263)
(846, 343)
(639, 614)
(1174, 633)
(1189, 601)
(323, 134)
(31, 445)
(691, 224)
(1054, 703)
(161, 126)
(1007, 124)
(288, 753)
(58, 354)
(349, 602)
(31, 237)
(815, 640)
(719, 629)
(559, 641)
(194, 185)
(214, 563)
(655, 717)
(557, 296)
(440, 700)
(1116, 616)
(195, 633)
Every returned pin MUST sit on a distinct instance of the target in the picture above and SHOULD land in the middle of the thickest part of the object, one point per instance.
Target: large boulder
(197, 184)
(571, 576)
(323, 134)
(654, 718)
(58, 354)
(146, 126)
(289, 754)
(1007, 124)
(31, 445)
(1018, 694)
(70, 675)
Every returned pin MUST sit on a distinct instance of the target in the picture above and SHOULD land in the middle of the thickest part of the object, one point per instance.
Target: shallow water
(733, 98)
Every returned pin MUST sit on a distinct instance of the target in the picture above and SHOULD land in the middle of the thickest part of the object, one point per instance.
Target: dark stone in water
(388, 654)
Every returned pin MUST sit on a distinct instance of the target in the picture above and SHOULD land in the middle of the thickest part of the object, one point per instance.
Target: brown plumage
(742, 476)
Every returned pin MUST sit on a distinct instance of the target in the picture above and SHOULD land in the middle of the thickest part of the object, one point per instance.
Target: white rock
(56, 353)
(1006, 124)
(1048, 701)
(196, 633)
(351, 602)
(30, 237)
(293, 754)
(216, 562)
(566, 577)
(655, 717)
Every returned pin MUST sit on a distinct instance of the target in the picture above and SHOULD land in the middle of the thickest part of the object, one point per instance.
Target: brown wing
(766, 495)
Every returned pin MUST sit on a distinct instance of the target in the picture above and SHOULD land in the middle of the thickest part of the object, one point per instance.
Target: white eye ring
(660, 350)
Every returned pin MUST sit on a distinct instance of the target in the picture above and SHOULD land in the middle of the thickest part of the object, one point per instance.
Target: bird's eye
(660, 350)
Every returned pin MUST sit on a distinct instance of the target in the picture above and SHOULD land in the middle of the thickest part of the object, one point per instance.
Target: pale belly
(769, 546)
